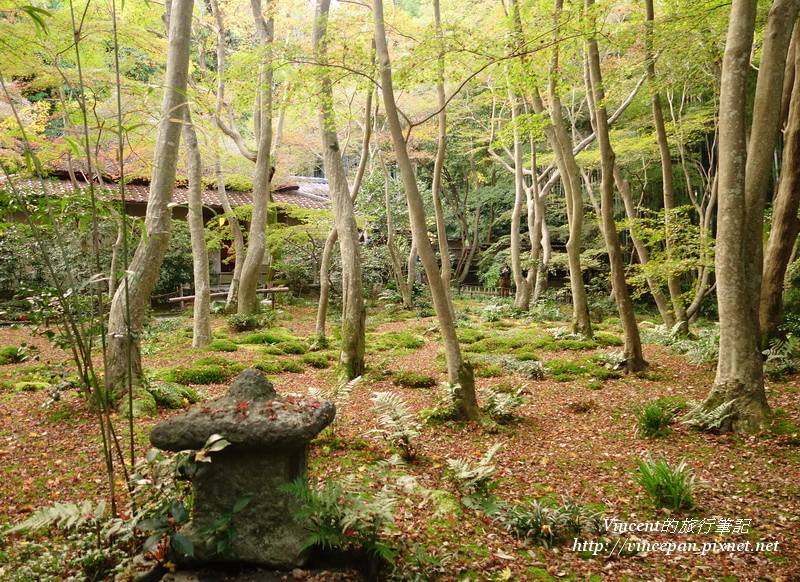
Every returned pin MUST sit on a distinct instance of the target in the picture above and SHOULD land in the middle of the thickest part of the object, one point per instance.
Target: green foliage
(64, 516)
(550, 525)
(411, 379)
(396, 424)
(565, 368)
(244, 321)
(496, 310)
(666, 485)
(176, 268)
(476, 481)
(709, 419)
(347, 515)
(653, 418)
(545, 311)
(501, 405)
(13, 354)
(783, 357)
(484, 370)
(172, 394)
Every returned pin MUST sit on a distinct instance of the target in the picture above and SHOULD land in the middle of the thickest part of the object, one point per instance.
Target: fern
(64, 516)
(709, 420)
(501, 405)
(476, 481)
(396, 424)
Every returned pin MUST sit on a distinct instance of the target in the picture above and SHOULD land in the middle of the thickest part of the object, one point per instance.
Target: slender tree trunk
(132, 297)
(634, 360)
(743, 178)
(459, 372)
(201, 325)
(232, 301)
(679, 315)
(351, 356)
(262, 176)
(662, 304)
(785, 224)
(441, 146)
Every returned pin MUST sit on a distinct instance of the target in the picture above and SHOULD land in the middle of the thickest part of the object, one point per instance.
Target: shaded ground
(573, 438)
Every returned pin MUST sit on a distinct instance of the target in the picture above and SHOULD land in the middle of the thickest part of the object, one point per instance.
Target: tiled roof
(309, 195)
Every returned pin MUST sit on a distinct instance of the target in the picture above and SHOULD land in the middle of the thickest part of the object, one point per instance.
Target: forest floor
(573, 438)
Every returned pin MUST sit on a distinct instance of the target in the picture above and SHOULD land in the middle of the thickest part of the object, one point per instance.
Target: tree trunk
(201, 325)
(232, 301)
(351, 357)
(679, 315)
(785, 225)
(441, 146)
(124, 363)
(262, 175)
(459, 372)
(634, 360)
(743, 177)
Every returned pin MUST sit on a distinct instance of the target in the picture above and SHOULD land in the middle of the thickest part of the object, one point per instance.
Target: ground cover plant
(557, 463)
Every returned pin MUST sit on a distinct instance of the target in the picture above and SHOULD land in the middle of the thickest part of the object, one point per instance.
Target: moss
(203, 374)
(607, 339)
(291, 366)
(470, 336)
(603, 374)
(413, 380)
(293, 347)
(172, 394)
(222, 345)
(483, 370)
(13, 355)
(557, 367)
(393, 340)
(269, 367)
(576, 344)
(272, 350)
(316, 359)
(30, 386)
(274, 336)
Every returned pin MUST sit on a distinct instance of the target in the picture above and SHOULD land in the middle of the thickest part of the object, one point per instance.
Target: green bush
(222, 345)
(13, 354)
(244, 321)
(667, 486)
(549, 526)
(413, 379)
(653, 418)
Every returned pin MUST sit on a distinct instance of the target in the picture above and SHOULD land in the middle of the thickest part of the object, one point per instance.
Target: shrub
(501, 405)
(667, 486)
(13, 354)
(476, 480)
(348, 516)
(222, 345)
(653, 418)
(396, 425)
(244, 321)
(411, 379)
(549, 526)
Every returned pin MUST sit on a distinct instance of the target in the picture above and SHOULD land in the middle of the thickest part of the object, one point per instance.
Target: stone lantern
(269, 436)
